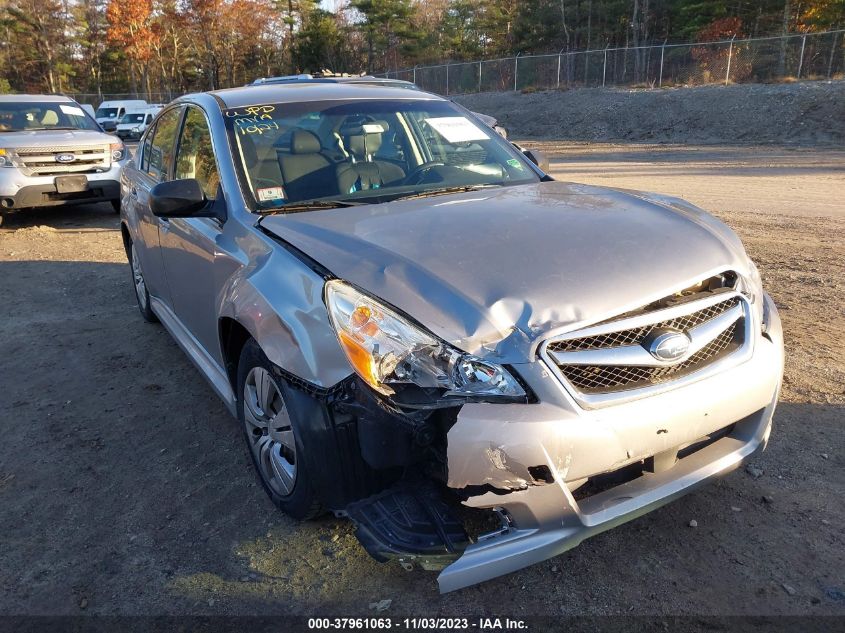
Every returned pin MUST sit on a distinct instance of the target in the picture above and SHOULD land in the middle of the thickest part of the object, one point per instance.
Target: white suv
(53, 153)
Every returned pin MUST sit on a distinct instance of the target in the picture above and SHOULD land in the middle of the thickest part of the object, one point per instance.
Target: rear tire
(142, 296)
(273, 435)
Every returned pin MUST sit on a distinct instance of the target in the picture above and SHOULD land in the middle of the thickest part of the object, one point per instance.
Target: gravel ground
(809, 113)
(125, 487)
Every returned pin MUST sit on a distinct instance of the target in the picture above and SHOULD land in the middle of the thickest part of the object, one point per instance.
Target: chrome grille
(636, 335)
(604, 379)
(41, 161)
(610, 361)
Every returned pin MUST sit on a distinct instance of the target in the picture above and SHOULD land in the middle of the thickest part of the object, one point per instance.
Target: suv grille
(600, 361)
(41, 161)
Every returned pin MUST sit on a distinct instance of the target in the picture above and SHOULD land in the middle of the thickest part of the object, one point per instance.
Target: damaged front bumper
(533, 462)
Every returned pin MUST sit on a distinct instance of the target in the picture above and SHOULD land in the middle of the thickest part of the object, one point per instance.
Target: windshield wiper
(52, 127)
(441, 192)
(309, 205)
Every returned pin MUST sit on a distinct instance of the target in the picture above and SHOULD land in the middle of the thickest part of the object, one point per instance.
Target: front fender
(278, 299)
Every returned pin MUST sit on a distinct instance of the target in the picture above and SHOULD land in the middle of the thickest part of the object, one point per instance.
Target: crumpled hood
(494, 271)
(61, 138)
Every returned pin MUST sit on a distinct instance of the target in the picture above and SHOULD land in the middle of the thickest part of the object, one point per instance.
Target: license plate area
(71, 184)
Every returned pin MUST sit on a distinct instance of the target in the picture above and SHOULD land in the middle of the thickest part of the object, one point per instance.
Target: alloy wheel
(269, 430)
(138, 277)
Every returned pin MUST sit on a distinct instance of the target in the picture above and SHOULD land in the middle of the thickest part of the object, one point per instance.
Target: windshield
(18, 117)
(293, 154)
(132, 117)
(106, 113)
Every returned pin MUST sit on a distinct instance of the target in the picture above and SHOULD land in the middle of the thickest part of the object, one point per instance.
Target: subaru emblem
(669, 346)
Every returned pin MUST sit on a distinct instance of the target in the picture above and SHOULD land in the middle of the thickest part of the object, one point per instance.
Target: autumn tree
(130, 28)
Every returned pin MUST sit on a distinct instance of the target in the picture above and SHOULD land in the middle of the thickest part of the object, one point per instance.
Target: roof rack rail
(330, 77)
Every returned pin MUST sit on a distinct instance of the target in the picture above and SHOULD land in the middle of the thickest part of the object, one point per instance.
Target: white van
(134, 123)
(110, 112)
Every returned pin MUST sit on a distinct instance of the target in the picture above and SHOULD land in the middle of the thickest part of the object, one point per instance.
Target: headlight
(751, 285)
(8, 158)
(390, 353)
(136, 129)
(118, 151)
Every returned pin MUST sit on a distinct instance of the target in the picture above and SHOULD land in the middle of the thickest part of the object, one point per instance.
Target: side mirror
(538, 158)
(180, 199)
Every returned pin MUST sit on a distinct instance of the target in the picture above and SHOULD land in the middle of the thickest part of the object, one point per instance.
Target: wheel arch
(233, 337)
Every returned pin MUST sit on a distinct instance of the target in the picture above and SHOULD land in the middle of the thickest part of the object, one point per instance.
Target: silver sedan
(419, 329)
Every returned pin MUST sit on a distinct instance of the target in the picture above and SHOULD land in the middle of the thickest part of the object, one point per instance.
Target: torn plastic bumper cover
(499, 447)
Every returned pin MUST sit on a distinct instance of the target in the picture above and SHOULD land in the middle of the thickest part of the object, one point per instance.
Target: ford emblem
(669, 346)
(65, 158)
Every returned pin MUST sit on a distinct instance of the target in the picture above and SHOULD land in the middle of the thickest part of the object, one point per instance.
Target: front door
(189, 245)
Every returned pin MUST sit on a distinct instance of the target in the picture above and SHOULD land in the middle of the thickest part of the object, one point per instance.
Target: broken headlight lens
(388, 352)
(751, 285)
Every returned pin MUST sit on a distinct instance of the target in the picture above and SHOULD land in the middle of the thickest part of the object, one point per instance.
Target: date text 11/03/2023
(418, 624)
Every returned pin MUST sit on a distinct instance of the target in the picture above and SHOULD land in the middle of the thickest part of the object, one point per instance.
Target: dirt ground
(805, 113)
(125, 487)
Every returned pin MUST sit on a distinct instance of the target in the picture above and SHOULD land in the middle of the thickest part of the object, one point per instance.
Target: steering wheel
(414, 178)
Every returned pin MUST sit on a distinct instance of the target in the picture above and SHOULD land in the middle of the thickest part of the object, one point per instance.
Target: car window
(132, 117)
(195, 158)
(144, 162)
(366, 149)
(163, 145)
(26, 116)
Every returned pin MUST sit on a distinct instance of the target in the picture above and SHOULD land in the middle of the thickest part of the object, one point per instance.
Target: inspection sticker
(457, 129)
(72, 110)
(270, 193)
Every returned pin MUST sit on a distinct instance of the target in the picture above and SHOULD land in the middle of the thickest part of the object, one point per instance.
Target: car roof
(30, 98)
(299, 91)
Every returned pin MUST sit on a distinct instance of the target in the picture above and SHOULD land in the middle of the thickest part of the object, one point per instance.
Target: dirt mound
(811, 113)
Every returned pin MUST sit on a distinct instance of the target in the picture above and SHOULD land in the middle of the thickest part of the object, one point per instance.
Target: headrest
(304, 142)
(359, 129)
(364, 138)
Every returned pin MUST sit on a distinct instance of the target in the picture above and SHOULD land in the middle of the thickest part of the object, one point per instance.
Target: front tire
(142, 296)
(273, 435)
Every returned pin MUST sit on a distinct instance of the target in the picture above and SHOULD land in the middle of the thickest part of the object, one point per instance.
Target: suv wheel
(141, 293)
(271, 432)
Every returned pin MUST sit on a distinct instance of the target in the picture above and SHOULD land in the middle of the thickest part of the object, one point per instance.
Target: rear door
(155, 166)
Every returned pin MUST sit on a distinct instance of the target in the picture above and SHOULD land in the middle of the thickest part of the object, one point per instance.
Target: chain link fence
(768, 59)
(96, 98)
